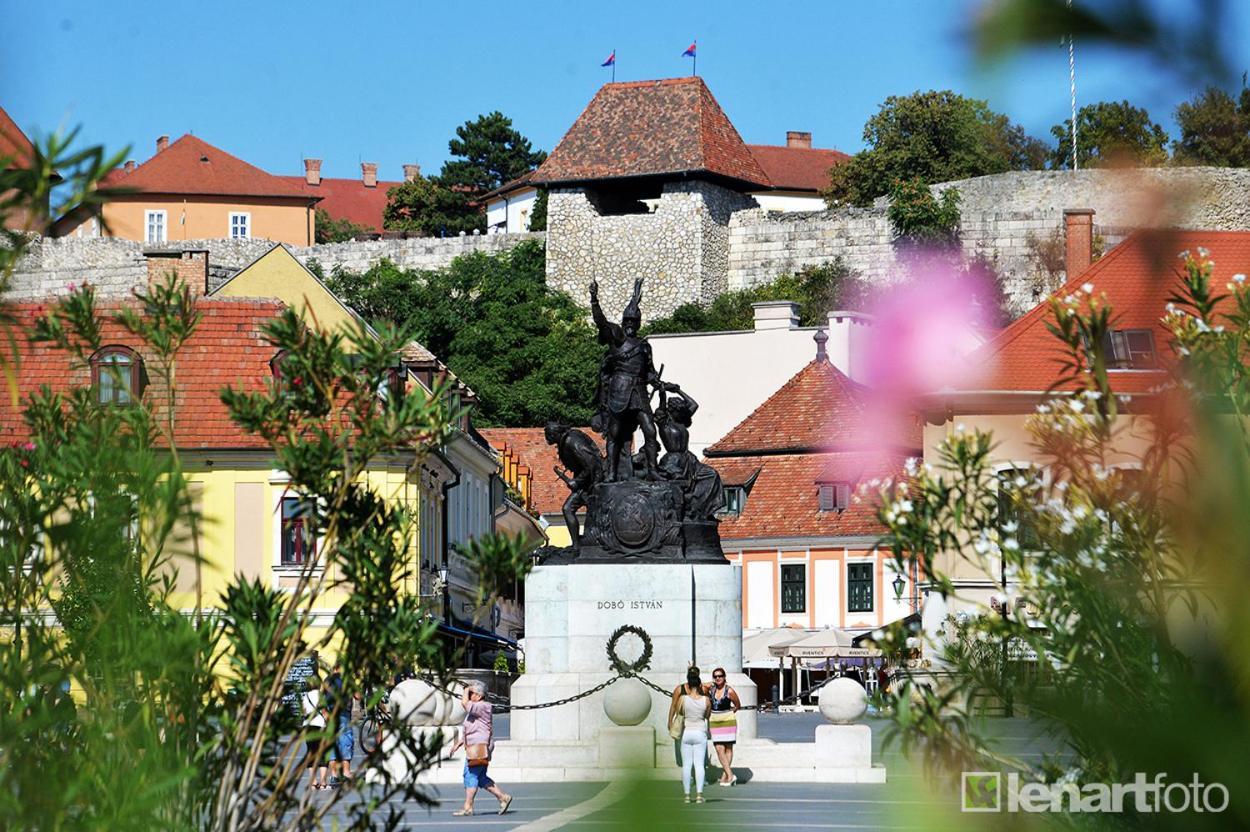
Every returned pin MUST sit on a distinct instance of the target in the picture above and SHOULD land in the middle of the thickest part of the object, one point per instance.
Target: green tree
(526, 349)
(922, 220)
(934, 136)
(816, 289)
(488, 152)
(330, 230)
(538, 217)
(1110, 133)
(430, 208)
(1215, 129)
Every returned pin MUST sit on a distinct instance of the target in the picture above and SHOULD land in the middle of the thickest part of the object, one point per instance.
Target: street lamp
(899, 585)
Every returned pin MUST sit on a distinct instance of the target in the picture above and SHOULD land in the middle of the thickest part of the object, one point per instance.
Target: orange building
(191, 190)
(15, 154)
(807, 547)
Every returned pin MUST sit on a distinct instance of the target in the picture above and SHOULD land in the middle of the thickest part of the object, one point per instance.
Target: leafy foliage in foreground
(1121, 632)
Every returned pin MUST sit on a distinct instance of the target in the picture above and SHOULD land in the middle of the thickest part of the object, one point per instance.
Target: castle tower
(642, 185)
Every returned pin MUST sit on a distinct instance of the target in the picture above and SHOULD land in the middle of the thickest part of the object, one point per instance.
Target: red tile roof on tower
(348, 199)
(547, 491)
(14, 145)
(796, 168)
(651, 128)
(1138, 277)
(193, 166)
(228, 349)
(819, 409)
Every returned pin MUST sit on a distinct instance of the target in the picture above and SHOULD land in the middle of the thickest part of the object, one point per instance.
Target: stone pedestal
(690, 611)
(844, 746)
(627, 747)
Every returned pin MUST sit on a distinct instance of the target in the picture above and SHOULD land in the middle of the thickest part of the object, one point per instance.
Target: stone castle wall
(115, 267)
(1000, 214)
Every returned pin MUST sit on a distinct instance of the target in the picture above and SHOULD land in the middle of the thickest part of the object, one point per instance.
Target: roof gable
(193, 166)
(820, 408)
(651, 128)
(547, 491)
(14, 144)
(1138, 277)
(277, 274)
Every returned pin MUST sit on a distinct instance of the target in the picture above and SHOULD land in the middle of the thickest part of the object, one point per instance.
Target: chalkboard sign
(293, 686)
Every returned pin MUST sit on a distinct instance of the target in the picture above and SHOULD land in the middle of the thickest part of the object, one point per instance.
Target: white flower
(1087, 288)
(1184, 255)
(1239, 278)
(1011, 545)
(1171, 308)
(1077, 405)
(905, 505)
(959, 428)
(1010, 526)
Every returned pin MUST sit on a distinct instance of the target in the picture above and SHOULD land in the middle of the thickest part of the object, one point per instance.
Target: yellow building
(191, 190)
(461, 495)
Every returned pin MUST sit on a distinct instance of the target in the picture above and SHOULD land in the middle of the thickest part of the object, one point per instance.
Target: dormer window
(117, 375)
(1130, 349)
(834, 496)
(735, 500)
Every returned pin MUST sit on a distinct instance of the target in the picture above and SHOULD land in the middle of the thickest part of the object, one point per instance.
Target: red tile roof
(547, 491)
(228, 349)
(784, 500)
(648, 128)
(1138, 278)
(819, 409)
(13, 142)
(797, 168)
(193, 166)
(348, 199)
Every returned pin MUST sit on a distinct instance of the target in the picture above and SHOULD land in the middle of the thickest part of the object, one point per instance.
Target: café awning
(825, 644)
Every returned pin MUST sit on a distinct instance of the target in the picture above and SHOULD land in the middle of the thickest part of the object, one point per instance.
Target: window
(240, 226)
(299, 543)
(155, 221)
(1130, 349)
(735, 500)
(859, 587)
(117, 375)
(835, 496)
(1013, 520)
(793, 587)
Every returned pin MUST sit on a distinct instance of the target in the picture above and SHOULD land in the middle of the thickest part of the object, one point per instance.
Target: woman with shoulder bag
(687, 719)
(724, 724)
(478, 739)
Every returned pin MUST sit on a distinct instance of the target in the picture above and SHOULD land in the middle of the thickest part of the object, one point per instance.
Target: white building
(510, 206)
(730, 373)
(797, 171)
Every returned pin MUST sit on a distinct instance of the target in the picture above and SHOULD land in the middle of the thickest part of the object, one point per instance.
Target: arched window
(117, 375)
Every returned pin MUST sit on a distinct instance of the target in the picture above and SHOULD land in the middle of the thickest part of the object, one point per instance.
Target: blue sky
(388, 82)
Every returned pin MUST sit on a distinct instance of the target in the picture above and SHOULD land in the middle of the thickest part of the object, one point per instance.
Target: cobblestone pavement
(905, 802)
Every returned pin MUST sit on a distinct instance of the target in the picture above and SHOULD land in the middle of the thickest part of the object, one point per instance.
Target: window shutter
(827, 498)
(843, 501)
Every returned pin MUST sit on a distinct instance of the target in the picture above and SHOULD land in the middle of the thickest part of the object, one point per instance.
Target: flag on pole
(694, 59)
(611, 61)
(689, 53)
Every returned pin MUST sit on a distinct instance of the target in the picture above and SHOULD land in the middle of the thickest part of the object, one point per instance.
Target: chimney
(1078, 234)
(775, 314)
(130, 165)
(190, 265)
(847, 340)
(369, 174)
(798, 138)
(312, 171)
(162, 142)
(412, 173)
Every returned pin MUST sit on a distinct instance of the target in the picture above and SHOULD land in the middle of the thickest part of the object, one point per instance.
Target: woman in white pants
(690, 701)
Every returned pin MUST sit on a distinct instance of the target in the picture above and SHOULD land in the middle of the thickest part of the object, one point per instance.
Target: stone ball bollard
(842, 701)
(419, 703)
(627, 702)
